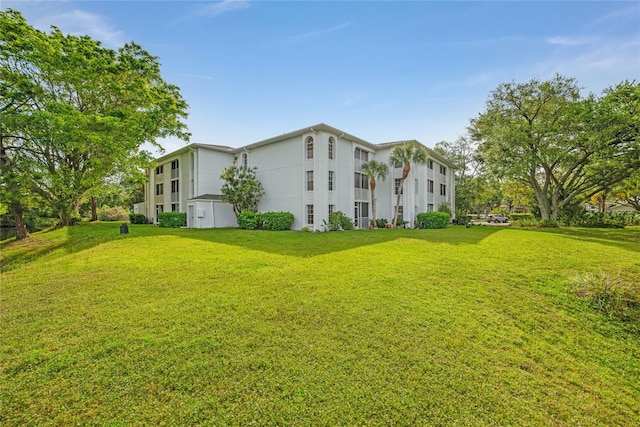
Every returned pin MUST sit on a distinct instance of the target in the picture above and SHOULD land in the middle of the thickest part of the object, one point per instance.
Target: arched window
(245, 160)
(332, 143)
(309, 148)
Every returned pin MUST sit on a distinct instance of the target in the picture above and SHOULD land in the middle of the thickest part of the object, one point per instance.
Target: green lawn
(383, 327)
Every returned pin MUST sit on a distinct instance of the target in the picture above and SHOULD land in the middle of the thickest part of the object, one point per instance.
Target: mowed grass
(382, 327)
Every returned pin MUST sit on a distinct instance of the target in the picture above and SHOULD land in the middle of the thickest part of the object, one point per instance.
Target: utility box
(124, 229)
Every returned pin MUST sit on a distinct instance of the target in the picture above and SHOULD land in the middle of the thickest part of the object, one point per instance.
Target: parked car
(497, 218)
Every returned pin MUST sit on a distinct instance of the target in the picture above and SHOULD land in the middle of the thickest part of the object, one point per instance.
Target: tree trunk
(395, 217)
(94, 209)
(21, 227)
(372, 184)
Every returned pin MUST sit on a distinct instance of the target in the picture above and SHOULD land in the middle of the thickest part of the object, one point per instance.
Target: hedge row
(433, 219)
(172, 219)
(275, 221)
(135, 218)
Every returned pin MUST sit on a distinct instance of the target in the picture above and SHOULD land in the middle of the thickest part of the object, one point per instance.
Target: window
(309, 148)
(175, 207)
(430, 207)
(331, 147)
(398, 165)
(245, 160)
(430, 186)
(159, 209)
(397, 186)
(309, 180)
(174, 165)
(360, 154)
(331, 180)
(443, 190)
(310, 214)
(175, 187)
(332, 208)
(159, 189)
(400, 212)
(430, 163)
(159, 170)
(443, 170)
(361, 181)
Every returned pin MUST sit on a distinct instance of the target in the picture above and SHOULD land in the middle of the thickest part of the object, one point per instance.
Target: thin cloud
(224, 6)
(79, 23)
(197, 76)
(570, 41)
(318, 33)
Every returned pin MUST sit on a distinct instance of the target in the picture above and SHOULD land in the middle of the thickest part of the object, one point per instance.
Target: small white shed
(210, 211)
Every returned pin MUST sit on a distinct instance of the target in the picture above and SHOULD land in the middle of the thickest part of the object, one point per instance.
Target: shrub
(135, 218)
(433, 220)
(445, 208)
(249, 220)
(607, 292)
(277, 221)
(117, 213)
(339, 221)
(172, 219)
(520, 217)
(305, 229)
(381, 222)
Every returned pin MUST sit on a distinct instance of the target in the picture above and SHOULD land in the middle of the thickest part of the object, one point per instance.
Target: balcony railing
(175, 173)
(175, 197)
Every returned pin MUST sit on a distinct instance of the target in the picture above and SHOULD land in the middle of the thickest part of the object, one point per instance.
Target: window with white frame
(360, 154)
(332, 144)
(430, 163)
(159, 169)
(310, 214)
(396, 185)
(430, 207)
(309, 145)
(159, 189)
(430, 186)
(309, 180)
(443, 190)
(443, 170)
(331, 178)
(361, 181)
(175, 207)
(332, 208)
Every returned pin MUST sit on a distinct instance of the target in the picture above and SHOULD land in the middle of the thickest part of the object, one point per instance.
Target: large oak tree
(74, 112)
(565, 146)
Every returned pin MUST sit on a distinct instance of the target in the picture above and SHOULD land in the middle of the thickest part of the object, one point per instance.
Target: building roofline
(309, 129)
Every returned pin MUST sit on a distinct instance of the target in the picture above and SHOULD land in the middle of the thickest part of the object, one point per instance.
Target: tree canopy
(406, 154)
(565, 146)
(241, 188)
(73, 113)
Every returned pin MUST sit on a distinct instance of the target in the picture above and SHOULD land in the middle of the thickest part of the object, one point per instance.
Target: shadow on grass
(623, 238)
(290, 243)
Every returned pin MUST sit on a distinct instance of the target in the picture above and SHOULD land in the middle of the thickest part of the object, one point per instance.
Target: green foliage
(275, 221)
(567, 148)
(339, 221)
(116, 213)
(381, 223)
(135, 218)
(444, 207)
(74, 113)
(610, 293)
(374, 170)
(433, 220)
(172, 219)
(520, 216)
(406, 154)
(249, 220)
(584, 218)
(241, 188)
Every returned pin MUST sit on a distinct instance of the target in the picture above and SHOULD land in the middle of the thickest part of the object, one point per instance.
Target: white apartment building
(309, 172)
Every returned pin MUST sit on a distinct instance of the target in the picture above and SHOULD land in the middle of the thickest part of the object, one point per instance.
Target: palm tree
(406, 154)
(374, 170)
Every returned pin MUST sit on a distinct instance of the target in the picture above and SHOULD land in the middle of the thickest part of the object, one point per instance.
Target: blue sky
(382, 71)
